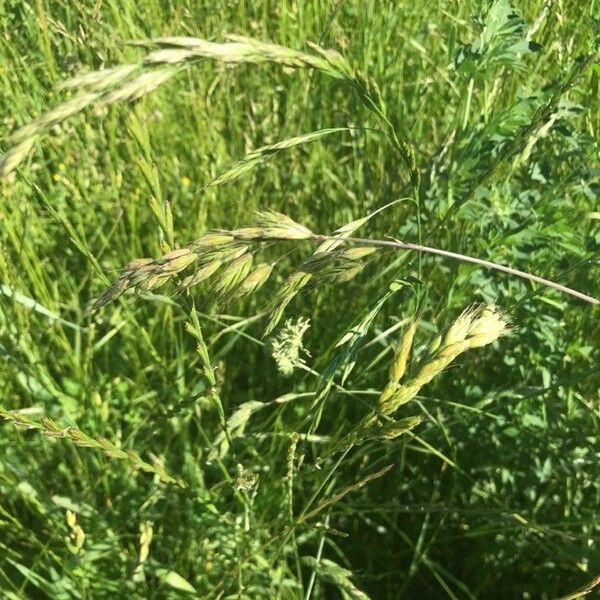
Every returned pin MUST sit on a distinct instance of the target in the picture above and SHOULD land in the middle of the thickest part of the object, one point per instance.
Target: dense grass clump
(305, 311)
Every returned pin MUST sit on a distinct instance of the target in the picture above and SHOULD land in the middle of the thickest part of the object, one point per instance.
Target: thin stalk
(313, 575)
(462, 257)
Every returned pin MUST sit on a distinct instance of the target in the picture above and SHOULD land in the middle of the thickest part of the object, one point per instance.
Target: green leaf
(176, 581)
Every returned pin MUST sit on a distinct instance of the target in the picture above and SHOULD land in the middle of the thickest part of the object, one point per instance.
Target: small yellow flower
(57, 177)
(61, 166)
(185, 182)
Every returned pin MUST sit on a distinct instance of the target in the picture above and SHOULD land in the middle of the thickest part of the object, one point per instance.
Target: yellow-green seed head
(177, 260)
(201, 274)
(358, 252)
(489, 325)
(256, 279)
(459, 329)
(348, 274)
(210, 240)
(247, 233)
(137, 263)
(398, 367)
(234, 274)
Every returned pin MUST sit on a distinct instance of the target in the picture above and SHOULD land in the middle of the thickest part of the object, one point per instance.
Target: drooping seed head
(472, 329)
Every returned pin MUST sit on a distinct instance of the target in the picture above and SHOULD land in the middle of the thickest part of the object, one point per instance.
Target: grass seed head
(255, 280)
(99, 80)
(177, 260)
(358, 252)
(233, 274)
(398, 367)
(472, 329)
(201, 274)
(211, 240)
(276, 225)
(487, 327)
(460, 328)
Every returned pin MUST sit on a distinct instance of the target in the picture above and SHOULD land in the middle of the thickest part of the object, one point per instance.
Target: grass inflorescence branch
(166, 56)
(77, 437)
(231, 253)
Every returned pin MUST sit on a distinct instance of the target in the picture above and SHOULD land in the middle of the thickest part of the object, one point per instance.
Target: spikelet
(210, 240)
(276, 225)
(247, 233)
(233, 274)
(99, 80)
(176, 260)
(358, 252)
(398, 367)
(346, 274)
(254, 281)
(201, 274)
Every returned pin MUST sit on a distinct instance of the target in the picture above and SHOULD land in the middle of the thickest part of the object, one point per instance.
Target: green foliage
(153, 448)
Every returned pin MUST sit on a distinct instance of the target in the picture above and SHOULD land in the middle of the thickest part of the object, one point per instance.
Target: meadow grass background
(494, 495)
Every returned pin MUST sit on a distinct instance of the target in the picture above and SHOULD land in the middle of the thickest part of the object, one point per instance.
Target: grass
(274, 416)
